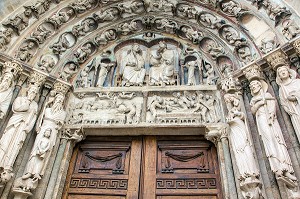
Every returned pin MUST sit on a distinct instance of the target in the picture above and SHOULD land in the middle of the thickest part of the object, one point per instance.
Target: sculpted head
(59, 98)
(255, 87)
(32, 92)
(283, 73)
(47, 133)
(135, 48)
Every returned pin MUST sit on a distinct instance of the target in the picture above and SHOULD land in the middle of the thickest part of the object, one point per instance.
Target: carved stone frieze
(106, 109)
(183, 108)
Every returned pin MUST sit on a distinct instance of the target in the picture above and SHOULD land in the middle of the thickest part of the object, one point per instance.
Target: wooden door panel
(185, 168)
(186, 197)
(105, 169)
(94, 197)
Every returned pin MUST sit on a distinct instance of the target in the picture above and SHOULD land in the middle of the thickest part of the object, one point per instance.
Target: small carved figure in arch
(41, 34)
(209, 74)
(20, 22)
(46, 64)
(244, 52)
(131, 7)
(105, 37)
(61, 17)
(125, 28)
(82, 29)
(5, 38)
(214, 49)
(68, 71)
(232, 8)
(165, 24)
(187, 11)
(84, 52)
(26, 51)
(107, 15)
(210, 21)
(290, 29)
(104, 69)
(193, 35)
(191, 65)
(82, 6)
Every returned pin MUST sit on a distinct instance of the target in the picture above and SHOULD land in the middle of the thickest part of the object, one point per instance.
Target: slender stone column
(218, 136)
(59, 173)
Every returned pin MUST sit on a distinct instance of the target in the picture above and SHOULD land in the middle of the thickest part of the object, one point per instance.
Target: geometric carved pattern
(199, 183)
(99, 183)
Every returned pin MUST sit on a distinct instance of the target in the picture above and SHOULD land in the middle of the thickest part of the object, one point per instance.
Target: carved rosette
(277, 59)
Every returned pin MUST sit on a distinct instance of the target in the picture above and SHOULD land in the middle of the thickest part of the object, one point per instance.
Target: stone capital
(252, 72)
(216, 133)
(73, 135)
(296, 46)
(277, 59)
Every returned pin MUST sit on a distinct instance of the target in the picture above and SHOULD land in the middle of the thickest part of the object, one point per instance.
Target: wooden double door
(148, 167)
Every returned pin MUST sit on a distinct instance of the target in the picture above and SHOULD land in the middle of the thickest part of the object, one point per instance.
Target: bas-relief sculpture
(162, 66)
(264, 108)
(289, 93)
(48, 126)
(106, 109)
(134, 71)
(183, 108)
(15, 133)
(242, 148)
(7, 82)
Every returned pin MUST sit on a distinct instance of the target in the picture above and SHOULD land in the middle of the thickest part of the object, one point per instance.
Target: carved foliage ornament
(277, 59)
(252, 72)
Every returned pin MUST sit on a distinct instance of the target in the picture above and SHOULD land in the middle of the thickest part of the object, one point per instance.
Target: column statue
(7, 84)
(264, 107)
(48, 126)
(19, 125)
(289, 94)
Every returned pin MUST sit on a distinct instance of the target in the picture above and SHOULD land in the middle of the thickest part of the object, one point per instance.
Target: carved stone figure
(83, 53)
(209, 74)
(130, 7)
(289, 94)
(83, 5)
(10, 72)
(82, 29)
(5, 38)
(191, 65)
(193, 35)
(19, 125)
(61, 17)
(245, 54)
(232, 8)
(51, 121)
(60, 46)
(214, 49)
(134, 71)
(41, 34)
(165, 24)
(290, 30)
(68, 71)
(20, 21)
(107, 15)
(268, 44)
(104, 68)
(25, 52)
(232, 37)
(275, 12)
(105, 37)
(263, 106)
(241, 146)
(162, 69)
(126, 28)
(46, 64)
(160, 5)
(187, 11)
(210, 21)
